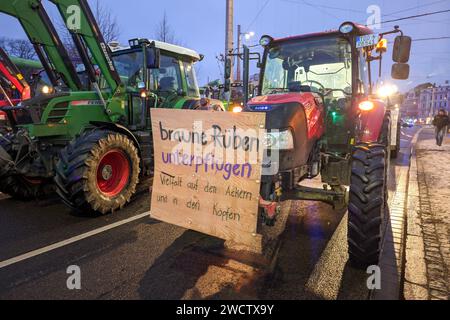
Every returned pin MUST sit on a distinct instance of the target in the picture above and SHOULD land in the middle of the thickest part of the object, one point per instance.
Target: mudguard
(371, 123)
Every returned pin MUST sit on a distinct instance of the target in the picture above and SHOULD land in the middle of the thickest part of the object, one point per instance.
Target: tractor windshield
(319, 65)
(130, 66)
(191, 79)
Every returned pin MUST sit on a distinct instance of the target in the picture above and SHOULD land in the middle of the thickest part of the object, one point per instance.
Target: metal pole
(238, 60)
(432, 108)
(246, 73)
(229, 31)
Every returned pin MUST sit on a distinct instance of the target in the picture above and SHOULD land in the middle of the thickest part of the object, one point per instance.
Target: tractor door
(131, 68)
(167, 83)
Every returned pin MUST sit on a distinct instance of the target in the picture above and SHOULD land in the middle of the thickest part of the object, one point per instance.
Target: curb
(414, 267)
(393, 251)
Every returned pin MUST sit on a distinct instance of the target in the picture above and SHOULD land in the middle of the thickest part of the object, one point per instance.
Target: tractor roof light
(265, 40)
(133, 43)
(381, 46)
(366, 105)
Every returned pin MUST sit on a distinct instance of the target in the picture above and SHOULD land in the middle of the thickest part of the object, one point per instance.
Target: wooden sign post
(207, 172)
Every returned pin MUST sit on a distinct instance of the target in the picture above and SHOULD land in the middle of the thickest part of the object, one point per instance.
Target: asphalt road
(147, 259)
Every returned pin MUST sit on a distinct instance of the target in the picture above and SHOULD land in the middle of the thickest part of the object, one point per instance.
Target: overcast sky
(200, 25)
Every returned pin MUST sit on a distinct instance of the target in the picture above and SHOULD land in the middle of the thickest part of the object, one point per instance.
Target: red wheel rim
(113, 172)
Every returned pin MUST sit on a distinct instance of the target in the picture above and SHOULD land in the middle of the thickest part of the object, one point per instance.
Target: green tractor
(92, 143)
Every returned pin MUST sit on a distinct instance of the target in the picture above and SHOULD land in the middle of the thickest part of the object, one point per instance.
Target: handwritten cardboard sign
(207, 171)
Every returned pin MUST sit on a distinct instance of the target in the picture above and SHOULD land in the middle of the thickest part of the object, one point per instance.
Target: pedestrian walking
(440, 122)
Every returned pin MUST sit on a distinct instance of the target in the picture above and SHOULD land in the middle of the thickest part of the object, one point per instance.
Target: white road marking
(66, 242)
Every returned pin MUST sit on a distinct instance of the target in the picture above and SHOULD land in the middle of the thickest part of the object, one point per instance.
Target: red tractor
(322, 118)
(13, 87)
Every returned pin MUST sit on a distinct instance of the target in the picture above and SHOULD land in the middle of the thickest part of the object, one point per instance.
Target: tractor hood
(301, 113)
(31, 110)
(288, 110)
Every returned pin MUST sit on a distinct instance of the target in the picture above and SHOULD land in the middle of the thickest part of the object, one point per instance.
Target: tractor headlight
(265, 40)
(47, 89)
(279, 140)
(346, 27)
(237, 109)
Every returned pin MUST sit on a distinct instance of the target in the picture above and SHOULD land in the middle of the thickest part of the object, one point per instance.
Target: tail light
(2, 116)
(366, 105)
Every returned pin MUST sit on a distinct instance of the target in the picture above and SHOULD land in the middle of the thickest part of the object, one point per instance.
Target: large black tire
(26, 189)
(21, 187)
(98, 172)
(367, 203)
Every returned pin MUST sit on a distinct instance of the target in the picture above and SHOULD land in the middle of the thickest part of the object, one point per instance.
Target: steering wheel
(318, 83)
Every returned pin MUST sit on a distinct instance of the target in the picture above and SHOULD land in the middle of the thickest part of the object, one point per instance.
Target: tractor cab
(149, 67)
(332, 70)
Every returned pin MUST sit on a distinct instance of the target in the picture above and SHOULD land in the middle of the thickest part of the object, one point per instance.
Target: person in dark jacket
(440, 122)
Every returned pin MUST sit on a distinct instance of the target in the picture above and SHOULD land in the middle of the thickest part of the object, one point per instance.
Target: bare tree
(20, 48)
(164, 32)
(107, 22)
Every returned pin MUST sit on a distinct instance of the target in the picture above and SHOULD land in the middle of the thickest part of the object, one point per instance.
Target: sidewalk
(428, 243)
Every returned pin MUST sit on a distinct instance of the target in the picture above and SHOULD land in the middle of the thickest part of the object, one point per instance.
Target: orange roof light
(381, 46)
(366, 105)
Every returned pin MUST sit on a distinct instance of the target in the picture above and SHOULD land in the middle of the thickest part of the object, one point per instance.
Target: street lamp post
(247, 36)
(387, 91)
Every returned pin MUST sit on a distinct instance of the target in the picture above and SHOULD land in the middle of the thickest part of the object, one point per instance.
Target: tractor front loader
(93, 143)
(13, 87)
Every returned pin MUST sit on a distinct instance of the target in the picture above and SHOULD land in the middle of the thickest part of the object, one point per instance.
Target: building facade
(409, 107)
(431, 100)
(424, 102)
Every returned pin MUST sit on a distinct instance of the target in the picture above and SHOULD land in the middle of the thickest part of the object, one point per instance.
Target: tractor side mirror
(402, 49)
(400, 71)
(153, 58)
